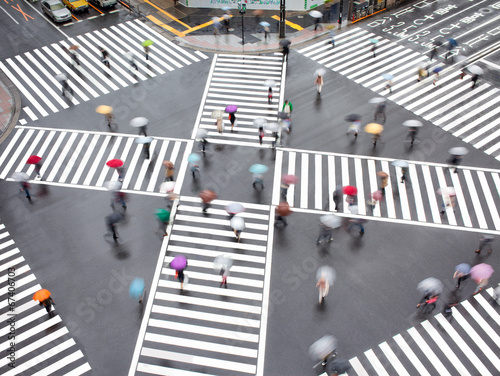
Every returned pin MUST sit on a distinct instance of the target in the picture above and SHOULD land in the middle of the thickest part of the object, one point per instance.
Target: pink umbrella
(481, 271)
(377, 195)
(290, 179)
(231, 108)
(33, 159)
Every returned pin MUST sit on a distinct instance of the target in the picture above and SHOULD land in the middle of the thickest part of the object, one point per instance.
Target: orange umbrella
(382, 174)
(374, 128)
(168, 164)
(283, 209)
(41, 295)
(207, 196)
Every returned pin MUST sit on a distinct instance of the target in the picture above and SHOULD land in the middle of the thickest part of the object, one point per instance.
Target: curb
(15, 108)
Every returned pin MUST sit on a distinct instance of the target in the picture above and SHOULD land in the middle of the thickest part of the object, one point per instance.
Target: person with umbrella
(337, 197)
(141, 123)
(163, 217)
(120, 197)
(350, 192)
(481, 273)
(485, 241)
(285, 44)
(452, 43)
(37, 162)
(448, 194)
(234, 208)
(436, 71)
(404, 168)
(456, 157)
(355, 121)
(130, 57)
(111, 222)
(232, 116)
(327, 223)
(169, 171)
(223, 264)
(179, 263)
(357, 222)
(238, 225)
(44, 299)
(373, 199)
(462, 273)
(317, 18)
(374, 42)
(434, 51)
(257, 178)
(380, 111)
(207, 197)
(323, 349)
(282, 211)
(137, 289)
(431, 288)
(63, 80)
(261, 134)
(104, 56)
(193, 158)
(422, 72)
(74, 54)
(147, 44)
(325, 277)
(319, 81)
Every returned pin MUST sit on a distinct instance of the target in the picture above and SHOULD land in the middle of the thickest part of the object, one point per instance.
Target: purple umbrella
(437, 69)
(231, 108)
(178, 263)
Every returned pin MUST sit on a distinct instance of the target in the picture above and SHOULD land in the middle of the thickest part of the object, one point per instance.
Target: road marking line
(71, 162)
(372, 173)
(461, 199)
(331, 182)
(159, 163)
(375, 362)
(33, 144)
(403, 197)
(450, 211)
(475, 199)
(345, 181)
(144, 168)
(417, 196)
(167, 14)
(61, 157)
(124, 155)
(97, 160)
(278, 170)
(434, 360)
(15, 155)
(391, 211)
(482, 322)
(488, 308)
(393, 359)
(358, 169)
(489, 198)
(291, 171)
(358, 368)
(304, 180)
(318, 182)
(291, 24)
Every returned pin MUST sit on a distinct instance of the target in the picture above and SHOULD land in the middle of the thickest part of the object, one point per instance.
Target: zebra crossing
(471, 114)
(207, 329)
(477, 190)
(467, 344)
(239, 80)
(42, 344)
(75, 157)
(34, 72)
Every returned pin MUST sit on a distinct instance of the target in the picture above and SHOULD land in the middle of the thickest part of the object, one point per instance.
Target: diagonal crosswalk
(477, 190)
(79, 157)
(466, 344)
(207, 329)
(34, 72)
(42, 344)
(471, 114)
(239, 80)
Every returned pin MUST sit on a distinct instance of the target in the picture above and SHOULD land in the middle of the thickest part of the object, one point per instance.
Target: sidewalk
(10, 106)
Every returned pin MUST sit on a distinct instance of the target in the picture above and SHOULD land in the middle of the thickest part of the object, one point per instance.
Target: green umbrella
(163, 215)
(147, 42)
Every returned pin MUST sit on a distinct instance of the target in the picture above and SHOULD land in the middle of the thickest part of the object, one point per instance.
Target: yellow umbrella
(102, 109)
(330, 26)
(374, 128)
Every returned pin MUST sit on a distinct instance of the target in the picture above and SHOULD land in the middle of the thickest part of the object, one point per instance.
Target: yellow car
(76, 5)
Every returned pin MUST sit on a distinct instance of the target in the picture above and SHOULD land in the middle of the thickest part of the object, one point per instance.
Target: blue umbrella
(437, 69)
(264, 23)
(373, 40)
(258, 169)
(387, 76)
(193, 157)
(463, 268)
(136, 288)
(453, 42)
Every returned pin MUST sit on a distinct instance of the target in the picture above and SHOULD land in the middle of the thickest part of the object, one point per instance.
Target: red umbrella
(33, 159)
(283, 209)
(290, 179)
(350, 190)
(114, 163)
(207, 196)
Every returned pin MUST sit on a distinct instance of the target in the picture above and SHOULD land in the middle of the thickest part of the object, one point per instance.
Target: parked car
(56, 10)
(76, 5)
(105, 3)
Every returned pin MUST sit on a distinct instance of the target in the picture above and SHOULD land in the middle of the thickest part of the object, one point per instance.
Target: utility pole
(282, 18)
(242, 6)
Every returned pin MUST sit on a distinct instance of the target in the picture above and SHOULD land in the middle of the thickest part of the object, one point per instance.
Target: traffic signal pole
(282, 18)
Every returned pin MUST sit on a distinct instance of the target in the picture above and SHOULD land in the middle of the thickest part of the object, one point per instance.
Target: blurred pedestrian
(485, 242)
(454, 161)
(325, 232)
(207, 197)
(332, 38)
(354, 128)
(285, 51)
(238, 225)
(374, 49)
(267, 30)
(460, 276)
(482, 282)
(181, 277)
(373, 198)
(217, 27)
(203, 142)
(25, 186)
(317, 24)
(232, 120)
(404, 171)
(422, 73)
(284, 190)
(412, 133)
(109, 119)
(337, 197)
(163, 217)
(275, 137)
(104, 56)
(287, 108)
(380, 111)
(226, 21)
(474, 79)
(38, 169)
(74, 55)
(143, 130)
(261, 134)
(436, 78)
(389, 85)
(282, 211)
(257, 180)
(376, 137)
(130, 57)
(319, 83)
(219, 124)
(112, 221)
(433, 53)
(137, 289)
(169, 171)
(145, 149)
(63, 79)
(121, 171)
(357, 222)
(269, 95)
(323, 288)
(120, 197)
(384, 182)
(448, 202)
(146, 52)
(429, 302)
(48, 303)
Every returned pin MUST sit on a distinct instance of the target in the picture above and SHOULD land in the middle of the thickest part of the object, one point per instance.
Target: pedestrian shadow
(317, 102)
(356, 242)
(120, 251)
(258, 196)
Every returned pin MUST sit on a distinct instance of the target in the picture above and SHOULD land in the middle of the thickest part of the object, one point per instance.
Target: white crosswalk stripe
(415, 199)
(464, 344)
(471, 114)
(70, 156)
(33, 73)
(42, 346)
(239, 80)
(207, 328)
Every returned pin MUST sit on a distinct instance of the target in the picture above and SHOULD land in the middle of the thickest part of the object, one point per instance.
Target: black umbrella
(438, 43)
(285, 42)
(283, 115)
(339, 366)
(353, 117)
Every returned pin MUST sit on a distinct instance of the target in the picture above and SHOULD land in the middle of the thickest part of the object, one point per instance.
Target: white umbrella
(326, 272)
(112, 185)
(167, 186)
(20, 176)
(323, 347)
(139, 122)
(143, 140)
(259, 122)
(354, 209)
(272, 127)
(446, 191)
(61, 77)
(413, 123)
(315, 14)
(330, 220)
(201, 133)
(430, 284)
(377, 100)
(474, 69)
(223, 262)
(319, 72)
(269, 83)
(400, 163)
(237, 223)
(459, 150)
(217, 113)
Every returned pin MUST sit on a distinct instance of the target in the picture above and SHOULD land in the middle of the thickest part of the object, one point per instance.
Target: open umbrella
(387, 76)
(453, 42)
(179, 262)
(315, 14)
(269, 83)
(373, 40)
(237, 223)
(201, 133)
(481, 271)
(41, 295)
(474, 69)
(167, 186)
(382, 174)
(353, 117)
(114, 163)
(193, 158)
(438, 43)
(232, 108)
(234, 208)
(290, 179)
(377, 100)
(143, 140)
(350, 190)
(374, 128)
(432, 285)
(319, 72)
(458, 150)
(437, 69)
(258, 168)
(285, 43)
(326, 272)
(330, 26)
(330, 220)
(272, 127)
(259, 122)
(61, 77)
(215, 20)
(168, 164)
(400, 163)
(283, 115)
(463, 268)
(217, 114)
(20, 176)
(446, 191)
(163, 215)
(136, 288)
(33, 159)
(377, 195)
(139, 122)
(323, 347)
(226, 16)
(413, 123)
(207, 196)
(103, 109)
(283, 209)
(112, 185)
(223, 262)
(265, 24)
(147, 42)
(74, 47)
(459, 58)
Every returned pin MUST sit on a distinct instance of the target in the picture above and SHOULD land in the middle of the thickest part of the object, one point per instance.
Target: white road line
(85, 159)
(10, 146)
(61, 157)
(160, 370)
(97, 160)
(217, 291)
(473, 112)
(483, 121)
(331, 182)
(304, 180)
(431, 195)
(219, 243)
(372, 175)
(226, 233)
(487, 127)
(403, 197)
(144, 167)
(158, 166)
(482, 322)
(461, 199)
(393, 359)
(345, 180)
(475, 199)
(14, 156)
(291, 171)
(210, 253)
(375, 362)
(450, 211)
(358, 170)
(30, 113)
(29, 151)
(358, 367)
(131, 166)
(72, 160)
(415, 184)
(54, 149)
(391, 211)
(488, 308)
(434, 360)
(318, 182)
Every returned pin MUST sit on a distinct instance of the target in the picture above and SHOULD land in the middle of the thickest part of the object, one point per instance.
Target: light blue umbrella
(463, 268)
(136, 288)
(373, 40)
(193, 157)
(387, 76)
(264, 23)
(258, 169)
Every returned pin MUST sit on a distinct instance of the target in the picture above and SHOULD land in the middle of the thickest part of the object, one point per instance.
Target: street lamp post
(282, 18)
(242, 8)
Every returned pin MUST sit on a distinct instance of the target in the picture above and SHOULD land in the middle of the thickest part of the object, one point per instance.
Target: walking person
(169, 171)
(485, 242)
(384, 182)
(357, 222)
(163, 217)
(74, 55)
(238, 225)
(38, 169)
(433, 53)
(217, 27)
(104, 56)
(257, 180)
(224, 274)
(207, 197)
(317, 24)
(323, 288)
(109, 119)
(112, 221)
(261, 134)
(275, 137)
(325, 232)
(454, 161)
(436, 78)
(267, 30)
(63, 79)
(121, 172)
(474, 79)
(429, 302)
(380, 111)
(282, 211)
(119, 197)
(284, 190)
(25, 186)
(404, 171)
(232, 120)
(373, 198)
(130, 57)
(412, 134)
(448, 202)
(48, 303)
(137, 289)
(461, 275)
(270, 95)
(219, 124)
(319, 82)
(332, 38)
(146, 52)
(337, 197)
(325, 276)
(285, 51)
(374, 49)
(287, 108)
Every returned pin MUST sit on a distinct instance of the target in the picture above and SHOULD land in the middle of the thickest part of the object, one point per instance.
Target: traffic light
(242, 7)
